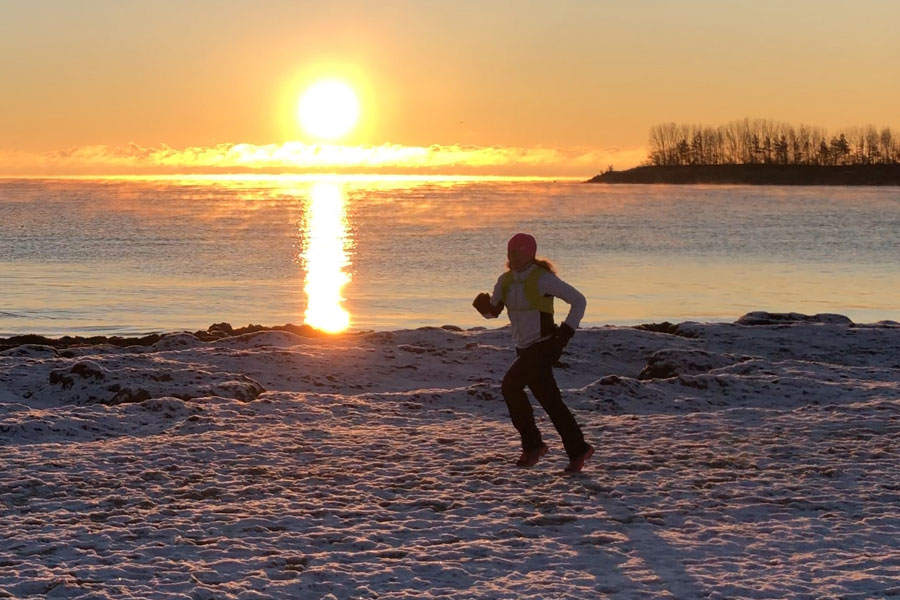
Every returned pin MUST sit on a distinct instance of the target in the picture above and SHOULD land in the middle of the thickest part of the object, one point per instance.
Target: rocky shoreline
(213, 332)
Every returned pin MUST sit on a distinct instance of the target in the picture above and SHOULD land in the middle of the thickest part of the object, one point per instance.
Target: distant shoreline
(847, 175)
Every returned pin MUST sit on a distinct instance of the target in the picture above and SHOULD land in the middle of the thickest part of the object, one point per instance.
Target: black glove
(482, 304)
(559, 341)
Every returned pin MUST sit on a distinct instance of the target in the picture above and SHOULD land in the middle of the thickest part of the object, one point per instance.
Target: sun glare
(328, 109)
(325, 258)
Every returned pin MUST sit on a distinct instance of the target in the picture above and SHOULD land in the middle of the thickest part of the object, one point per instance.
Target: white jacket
(524, 319)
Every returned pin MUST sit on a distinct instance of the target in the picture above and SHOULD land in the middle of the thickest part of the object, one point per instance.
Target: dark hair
(541, 262)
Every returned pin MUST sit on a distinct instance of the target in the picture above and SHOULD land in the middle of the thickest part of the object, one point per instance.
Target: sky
(523, 87)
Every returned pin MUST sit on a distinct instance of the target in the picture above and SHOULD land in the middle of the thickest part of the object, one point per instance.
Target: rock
(887, 323)
(176, 341)
(666, 327)
(87, 369)
(128, 396)
(831, 318)
(82, 370)
(31, 351)
(767, 318)
(262, 339)
(664, 364)
(218, 330)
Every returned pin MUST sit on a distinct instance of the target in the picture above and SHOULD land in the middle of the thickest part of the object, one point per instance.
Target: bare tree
(824, 156)
(663, 142)
(888, 153)
(872, 145)
(754, 141)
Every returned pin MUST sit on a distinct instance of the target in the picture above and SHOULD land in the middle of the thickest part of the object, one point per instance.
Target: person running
(527, 290)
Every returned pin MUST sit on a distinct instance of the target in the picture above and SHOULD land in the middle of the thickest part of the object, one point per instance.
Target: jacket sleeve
(552, 285)
(497, 299)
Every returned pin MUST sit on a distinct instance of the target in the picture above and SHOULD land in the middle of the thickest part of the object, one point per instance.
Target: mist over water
(125, 256)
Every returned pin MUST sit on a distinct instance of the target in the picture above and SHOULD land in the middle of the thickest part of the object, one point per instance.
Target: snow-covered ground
(758, 459)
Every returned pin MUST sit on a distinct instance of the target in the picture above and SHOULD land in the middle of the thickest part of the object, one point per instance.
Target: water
(127, 256)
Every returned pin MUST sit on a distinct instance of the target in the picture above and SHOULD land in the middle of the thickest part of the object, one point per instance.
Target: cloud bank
(299, 157)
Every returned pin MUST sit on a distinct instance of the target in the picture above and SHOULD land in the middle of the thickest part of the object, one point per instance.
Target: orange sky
(506, 87)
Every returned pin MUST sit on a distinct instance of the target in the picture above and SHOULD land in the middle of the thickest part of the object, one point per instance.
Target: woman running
(527, 290)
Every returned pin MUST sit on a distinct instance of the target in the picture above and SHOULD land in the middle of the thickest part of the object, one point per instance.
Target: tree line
(763, 141)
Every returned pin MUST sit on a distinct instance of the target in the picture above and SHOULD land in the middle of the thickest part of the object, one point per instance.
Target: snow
(755, 459)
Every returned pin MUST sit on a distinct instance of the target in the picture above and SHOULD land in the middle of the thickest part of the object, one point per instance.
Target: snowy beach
(754, 459)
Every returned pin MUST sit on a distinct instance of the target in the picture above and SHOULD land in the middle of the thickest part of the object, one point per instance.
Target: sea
(135, 255)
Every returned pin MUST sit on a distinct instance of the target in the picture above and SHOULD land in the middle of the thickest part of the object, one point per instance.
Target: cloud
(299, 157)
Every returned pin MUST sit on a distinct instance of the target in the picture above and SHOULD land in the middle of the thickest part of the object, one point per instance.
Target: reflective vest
(538, 302)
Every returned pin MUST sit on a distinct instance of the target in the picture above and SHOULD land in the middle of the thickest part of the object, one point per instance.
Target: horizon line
(301, 176)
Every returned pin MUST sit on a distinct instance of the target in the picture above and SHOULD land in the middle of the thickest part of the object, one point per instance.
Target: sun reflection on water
(325, 258)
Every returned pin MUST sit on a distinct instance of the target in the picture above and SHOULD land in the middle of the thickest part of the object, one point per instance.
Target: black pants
(533, 368)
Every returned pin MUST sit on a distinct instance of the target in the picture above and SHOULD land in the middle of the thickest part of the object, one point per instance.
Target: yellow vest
(538, 302)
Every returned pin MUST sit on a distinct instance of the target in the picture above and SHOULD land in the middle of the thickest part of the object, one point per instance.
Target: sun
(328, 109)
